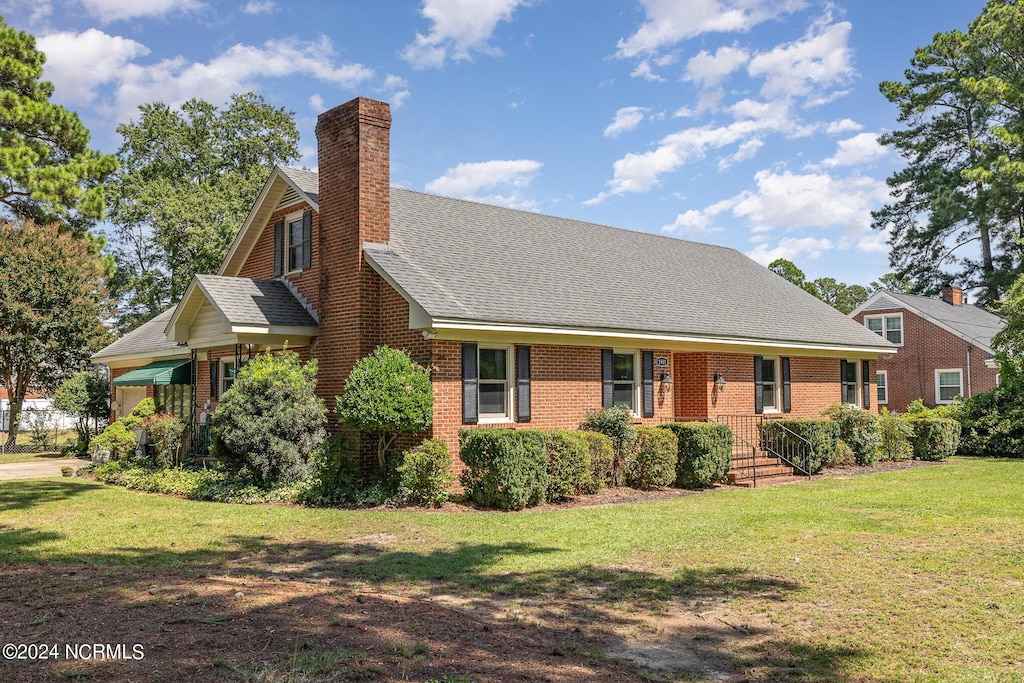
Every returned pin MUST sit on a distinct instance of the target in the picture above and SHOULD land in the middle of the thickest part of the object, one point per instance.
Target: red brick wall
(926, 348)
(260, 262)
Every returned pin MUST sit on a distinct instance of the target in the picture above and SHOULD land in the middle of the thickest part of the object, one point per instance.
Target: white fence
(47, 418)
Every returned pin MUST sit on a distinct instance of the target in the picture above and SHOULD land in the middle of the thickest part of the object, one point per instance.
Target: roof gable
(145, 341)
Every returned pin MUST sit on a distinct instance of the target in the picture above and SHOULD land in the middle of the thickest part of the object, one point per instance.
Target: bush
(271, 421)
(137, 417)
(425, 474)
(568, 464)
(164, 433)
(85, 395)
(207, 485)
(115, 440)
(602, 460)
(934, 438)
(858, 429)
(654, 460)
(387, 394)
(506, 468)
(703, 452)
(992, 422)
(617, 424)
(844, 455)
(820, 436)
(894, 433)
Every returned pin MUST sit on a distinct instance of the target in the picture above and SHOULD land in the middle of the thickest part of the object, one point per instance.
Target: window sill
(495, 421)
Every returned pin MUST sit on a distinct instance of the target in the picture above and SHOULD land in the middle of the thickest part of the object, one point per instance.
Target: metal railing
(199, 440)
(765, 434)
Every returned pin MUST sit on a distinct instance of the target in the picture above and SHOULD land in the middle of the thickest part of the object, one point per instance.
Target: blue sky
(746, 123)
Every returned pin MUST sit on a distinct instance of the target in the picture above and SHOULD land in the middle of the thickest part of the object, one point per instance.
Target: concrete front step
(761, 471)
(769, 470)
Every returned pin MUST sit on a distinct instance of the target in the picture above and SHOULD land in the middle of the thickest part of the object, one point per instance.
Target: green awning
(159, 372)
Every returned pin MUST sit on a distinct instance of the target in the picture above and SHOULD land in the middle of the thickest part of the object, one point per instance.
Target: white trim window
(294, 240)
(882, 382)
(948, 384)
(770, 385)
(494, 397)
(889, 326)
(227, 374)
(625, 380)
(851, 382)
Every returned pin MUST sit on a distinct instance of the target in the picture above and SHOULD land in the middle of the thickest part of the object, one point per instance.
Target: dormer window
(293, 243)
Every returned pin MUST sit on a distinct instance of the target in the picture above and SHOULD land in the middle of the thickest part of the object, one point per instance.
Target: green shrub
(137, 417)
(335, 472)
(894, 433)
(602, 460)
(164, 432)
(85, 395)
(935, 438)
(617, 424)
(505, 468)
(654, 460)
(992, 422)
(270, 422)
(816, 450)
(115, 440)
(425, 474)
(568, 464)
(214, 485)
(703, 451)
(387, 394)
(844, 455)
(858, 429)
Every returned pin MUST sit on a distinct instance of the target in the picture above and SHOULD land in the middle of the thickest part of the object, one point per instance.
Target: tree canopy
(187, 180)
(47, 171)
(838, 295)
(957, 209)
(51, 299)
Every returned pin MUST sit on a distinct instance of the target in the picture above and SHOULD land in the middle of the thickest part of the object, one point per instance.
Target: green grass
(914, 575)
(28, 457)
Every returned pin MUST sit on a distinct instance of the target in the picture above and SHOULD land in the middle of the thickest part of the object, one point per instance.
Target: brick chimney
(952, 295)
(355, 207)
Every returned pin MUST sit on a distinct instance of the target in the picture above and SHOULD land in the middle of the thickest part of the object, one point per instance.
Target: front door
(128, 398)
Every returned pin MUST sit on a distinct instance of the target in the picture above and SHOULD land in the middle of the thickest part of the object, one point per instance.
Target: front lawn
(29, 457)
(908, 575)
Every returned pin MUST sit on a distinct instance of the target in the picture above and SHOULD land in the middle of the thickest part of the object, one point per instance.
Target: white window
(295, 239)
(494, 397)
(948, 385)
(888, 326)
(625, 386)
(227, 375)
(770, 384)
(851, 369)
(882, 380)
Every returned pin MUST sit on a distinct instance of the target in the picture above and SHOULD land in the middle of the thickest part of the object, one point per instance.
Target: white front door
(128, 398)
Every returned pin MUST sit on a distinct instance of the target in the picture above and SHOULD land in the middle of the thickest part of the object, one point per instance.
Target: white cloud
(643, 70)
(626, 119)
(821, 59)
(77, 63)
(260, 7)
(114, 10)
(460, 28)
(842, 126)
(395, 90)
(671, 21)
(708, 69)
(792, 249)
(475, 180)
(856, 150)
(746, 151)
(316, 102)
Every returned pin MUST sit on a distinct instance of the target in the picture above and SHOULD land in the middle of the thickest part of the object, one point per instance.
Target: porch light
(719, 382)
(666, 381)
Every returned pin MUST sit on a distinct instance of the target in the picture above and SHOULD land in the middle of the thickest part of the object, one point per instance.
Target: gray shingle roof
(245, 301)
(304, 179)
(143, 339)
(471, 261)
(971, 321)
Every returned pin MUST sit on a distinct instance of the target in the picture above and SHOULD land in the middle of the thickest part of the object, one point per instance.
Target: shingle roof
(469, 261)
(973, 322)
(145, 338)
(245, 301)
(304, 179)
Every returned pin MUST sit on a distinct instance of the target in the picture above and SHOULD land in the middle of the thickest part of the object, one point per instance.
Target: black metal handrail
(778, 440)
(793, 445)
(199, 439)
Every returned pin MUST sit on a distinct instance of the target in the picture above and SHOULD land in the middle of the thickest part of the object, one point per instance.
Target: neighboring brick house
(526, 320)
(945, 347)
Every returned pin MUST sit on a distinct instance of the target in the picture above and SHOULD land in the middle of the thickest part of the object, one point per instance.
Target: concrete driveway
(37, 469)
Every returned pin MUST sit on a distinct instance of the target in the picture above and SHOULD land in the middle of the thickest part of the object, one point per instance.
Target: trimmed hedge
(858, 429)
(654, 459)
(935, 438)
(703, 452)
(506, 468)
(568, 464)
(894, 434)
(602, 461)
(820, 434)
(617, 424)
(425, 474)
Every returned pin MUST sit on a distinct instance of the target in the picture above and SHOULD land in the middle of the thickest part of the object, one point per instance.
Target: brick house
(525, 319)
(945, 347)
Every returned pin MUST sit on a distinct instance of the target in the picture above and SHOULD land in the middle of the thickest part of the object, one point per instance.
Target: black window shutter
(278, 247)
(470, 383)
(787, 394)
(648, 365)
(842, 382)
(214, 383)
(523, 384)
(307, 238)
(607, 386)
(758, 385)
(865, 378)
